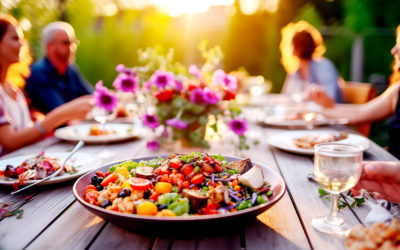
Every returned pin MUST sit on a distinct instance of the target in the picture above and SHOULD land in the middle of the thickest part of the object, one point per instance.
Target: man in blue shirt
(55, 80)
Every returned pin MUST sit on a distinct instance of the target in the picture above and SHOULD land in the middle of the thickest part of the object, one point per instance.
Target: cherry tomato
(90, 188)
(175, 163)
(91, 197)
(218, 167)
(100, 174)
(197, 179)
(154, 196)
(164, 178)
(208, 159)
(109, 179)
(187, 169)
(163, 170)
(185, 184)
(208, 168)
(139, 183)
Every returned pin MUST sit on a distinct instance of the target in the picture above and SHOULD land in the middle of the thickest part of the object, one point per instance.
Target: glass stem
(334, 208)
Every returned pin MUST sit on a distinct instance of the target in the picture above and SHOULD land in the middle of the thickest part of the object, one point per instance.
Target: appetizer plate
(81, 161)
(284, 140)
(81, 132)
(181, 225)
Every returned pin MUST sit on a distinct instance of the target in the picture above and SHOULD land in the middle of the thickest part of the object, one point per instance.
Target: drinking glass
(337, 167)
(102, 116)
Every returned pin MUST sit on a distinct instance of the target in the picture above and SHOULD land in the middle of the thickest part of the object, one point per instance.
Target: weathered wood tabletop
(53, 219)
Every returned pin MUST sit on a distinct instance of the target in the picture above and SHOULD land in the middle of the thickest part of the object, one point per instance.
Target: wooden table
(53, 219)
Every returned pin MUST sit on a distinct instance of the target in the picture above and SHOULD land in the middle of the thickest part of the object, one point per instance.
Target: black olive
(124, 192)
(99, 187)
(106, 203)
(146, 194)
(100, 180)
(162, 206)
(95, 180)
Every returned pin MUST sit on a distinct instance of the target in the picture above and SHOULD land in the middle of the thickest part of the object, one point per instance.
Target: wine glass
(102, 116)
(337, 167)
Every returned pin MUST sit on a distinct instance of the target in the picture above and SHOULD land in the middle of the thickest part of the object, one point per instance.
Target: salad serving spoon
(74, 150)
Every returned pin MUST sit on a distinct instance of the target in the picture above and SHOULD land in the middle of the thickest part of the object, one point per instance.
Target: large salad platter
(173, 193)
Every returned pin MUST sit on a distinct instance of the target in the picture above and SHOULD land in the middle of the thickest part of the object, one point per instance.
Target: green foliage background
(248, 41)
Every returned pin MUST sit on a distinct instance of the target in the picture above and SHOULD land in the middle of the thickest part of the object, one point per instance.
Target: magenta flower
(194, 71)
(220, 77)
(122, 69)
(210, 96)
(103, 98)
(176, 123)
(197, 96)
(150, 121)
(178, 85)
(153, 145)
(162, 79)
(126, 83)
(238, 126)
(230, 82)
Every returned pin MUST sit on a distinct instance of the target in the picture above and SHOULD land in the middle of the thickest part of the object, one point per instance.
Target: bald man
(55, 79)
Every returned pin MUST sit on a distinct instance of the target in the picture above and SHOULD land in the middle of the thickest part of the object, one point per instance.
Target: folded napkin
(382, 211)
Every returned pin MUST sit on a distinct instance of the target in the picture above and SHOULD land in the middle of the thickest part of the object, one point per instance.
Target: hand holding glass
(337, 167)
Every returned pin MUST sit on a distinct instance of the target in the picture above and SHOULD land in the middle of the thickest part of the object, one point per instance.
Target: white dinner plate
(81, 161)
(284, 140)
(282, 121)
(81, 132)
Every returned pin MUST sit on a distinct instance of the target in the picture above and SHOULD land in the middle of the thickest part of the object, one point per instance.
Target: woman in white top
(16, 126)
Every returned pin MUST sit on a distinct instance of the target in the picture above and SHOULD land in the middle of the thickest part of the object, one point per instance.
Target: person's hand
(381, 177)
(77, 108)
(317, 93)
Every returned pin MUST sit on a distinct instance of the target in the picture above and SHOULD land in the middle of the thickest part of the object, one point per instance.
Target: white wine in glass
(102, 115)
(337, 167)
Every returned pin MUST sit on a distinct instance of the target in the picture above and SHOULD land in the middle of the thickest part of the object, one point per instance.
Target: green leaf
(203, 119)
(214, 127)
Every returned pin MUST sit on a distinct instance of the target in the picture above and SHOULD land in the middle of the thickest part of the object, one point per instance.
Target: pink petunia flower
(153, 145)
(103, 98)
(194, 71)
(210, 96)
(162, 79)
(150, 121)
(238, 126)
(176, 123)
(126, 83)
(197, 96)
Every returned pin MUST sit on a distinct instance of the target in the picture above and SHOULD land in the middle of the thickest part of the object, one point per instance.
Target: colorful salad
(34, 168)
(182, 184)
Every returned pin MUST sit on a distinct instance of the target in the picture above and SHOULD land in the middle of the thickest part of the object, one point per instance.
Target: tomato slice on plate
(109, 179)
(139, 183)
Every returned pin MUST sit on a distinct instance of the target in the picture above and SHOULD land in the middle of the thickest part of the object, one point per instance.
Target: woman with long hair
(309, 73)
(16, 126)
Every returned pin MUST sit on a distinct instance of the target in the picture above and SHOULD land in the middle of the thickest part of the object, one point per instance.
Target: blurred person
(381, 107)
(16, 126)
(381, 177)
(309, 73)
(55, 79)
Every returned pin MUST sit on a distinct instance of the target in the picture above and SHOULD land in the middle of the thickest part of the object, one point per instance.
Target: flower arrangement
(179, 101)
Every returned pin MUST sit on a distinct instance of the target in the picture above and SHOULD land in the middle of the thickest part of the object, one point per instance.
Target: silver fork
(74, 150)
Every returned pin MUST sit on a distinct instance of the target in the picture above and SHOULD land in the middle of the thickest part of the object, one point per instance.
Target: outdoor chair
(358, 93)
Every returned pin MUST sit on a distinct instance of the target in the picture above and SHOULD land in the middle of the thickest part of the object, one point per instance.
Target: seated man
(54, 79)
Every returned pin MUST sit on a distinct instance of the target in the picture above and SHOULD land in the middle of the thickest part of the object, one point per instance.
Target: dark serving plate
(180, 225)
